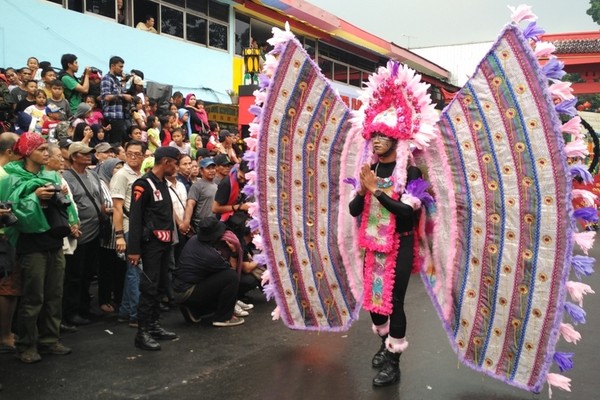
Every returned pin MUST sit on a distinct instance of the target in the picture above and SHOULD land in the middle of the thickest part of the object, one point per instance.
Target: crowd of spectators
(72, 149)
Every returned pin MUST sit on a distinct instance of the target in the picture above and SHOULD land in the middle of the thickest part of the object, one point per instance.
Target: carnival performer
(388, 201)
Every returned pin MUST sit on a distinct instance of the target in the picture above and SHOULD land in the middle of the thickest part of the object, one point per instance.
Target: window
(106, 8)
(171, 21)
(355, 78)
(196, 29)
(205, 22)
(242, 33)
(218, 37)
(340, 72)
(326, 67)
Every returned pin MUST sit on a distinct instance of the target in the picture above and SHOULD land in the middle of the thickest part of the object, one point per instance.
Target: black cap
(223, 159)
(166, 151)
(202, 152)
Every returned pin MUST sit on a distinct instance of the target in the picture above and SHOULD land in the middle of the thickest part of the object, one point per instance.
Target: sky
(426, 23)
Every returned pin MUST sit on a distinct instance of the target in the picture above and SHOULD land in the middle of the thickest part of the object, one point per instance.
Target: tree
(594, 11)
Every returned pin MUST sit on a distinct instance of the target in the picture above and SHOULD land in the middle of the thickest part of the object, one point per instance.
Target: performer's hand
(368, 180)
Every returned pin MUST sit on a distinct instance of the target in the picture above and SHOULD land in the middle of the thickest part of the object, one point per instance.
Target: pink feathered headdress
(396, 104)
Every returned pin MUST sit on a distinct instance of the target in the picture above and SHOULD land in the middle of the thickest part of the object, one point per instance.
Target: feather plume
(588, 197)
(563, 360)
(585, 240)
(583, 265)
(352, 181)
(265, 278)
(544, 49)
(559, 381)
(521, 13)
(576, 148)
(276, 314)
(258, 242)
(567, 107)
(569, 333)
(562, 90)
(577, 290)
(553, 69)
(572, 126)
(576, 313)
(581, 171)
(589, 214)
(533, 31)
(263, 81)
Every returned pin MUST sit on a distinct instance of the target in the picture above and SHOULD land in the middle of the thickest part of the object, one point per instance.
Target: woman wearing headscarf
(198, 115)
(184, 119)
(111, 273)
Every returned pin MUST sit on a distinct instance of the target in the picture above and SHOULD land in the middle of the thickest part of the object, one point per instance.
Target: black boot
(145, 341)
(379, 357)
(390, 373)
(159, 333)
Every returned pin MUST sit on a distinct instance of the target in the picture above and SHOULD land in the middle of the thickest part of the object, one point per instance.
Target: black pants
(217, 294)
(404, 264)
(153, 281)
(247, 283)
(111, 276)
(118, 131)
(80, 266)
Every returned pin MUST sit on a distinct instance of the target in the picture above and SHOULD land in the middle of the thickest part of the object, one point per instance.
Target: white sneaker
(245, 306)
(238, 312)
(234, 321)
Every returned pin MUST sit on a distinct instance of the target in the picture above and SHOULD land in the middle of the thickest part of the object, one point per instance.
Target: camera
(10, 218)
(58, 198)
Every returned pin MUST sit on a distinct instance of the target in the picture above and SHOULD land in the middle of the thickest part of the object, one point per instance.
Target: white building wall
(461, 59)
(42, 29)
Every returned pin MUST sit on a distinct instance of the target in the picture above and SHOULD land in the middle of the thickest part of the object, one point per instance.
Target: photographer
(10, 276)
(74, 88)
(45, 216)
(115, 100)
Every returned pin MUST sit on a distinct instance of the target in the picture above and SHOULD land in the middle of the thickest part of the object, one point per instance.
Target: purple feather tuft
(269, 291)
(395, 68)
(589, 214)
(553, 69)
(251, 157)
(256, 110)
(532, 31)
(418, 188)
(567, 107)
(260, 259)
(583, 265)
(563, 360)
(249, 190)
(263, 81)
(352, 181)
(581, 171)
(253, 224)
(576, 313)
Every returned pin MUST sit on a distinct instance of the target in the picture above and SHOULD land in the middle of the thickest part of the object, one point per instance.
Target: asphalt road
(262, 359)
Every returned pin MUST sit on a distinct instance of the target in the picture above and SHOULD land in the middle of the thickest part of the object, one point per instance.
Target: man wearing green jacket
(45, 216)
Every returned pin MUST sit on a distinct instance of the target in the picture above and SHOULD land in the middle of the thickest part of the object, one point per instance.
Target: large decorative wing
(503, 194)
(300, 161)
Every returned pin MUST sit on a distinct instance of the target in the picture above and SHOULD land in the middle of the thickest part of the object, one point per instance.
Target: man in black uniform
(150, 236)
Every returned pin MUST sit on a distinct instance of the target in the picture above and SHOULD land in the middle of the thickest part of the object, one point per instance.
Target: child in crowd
(57, 98)
(38, 110)
(165, 132)
(82, 113)
(153, 133)
(53, 115)
(138, 116)
(48, 76)
(177, 135)
(184, 119)
(29, 100)
(96, 116)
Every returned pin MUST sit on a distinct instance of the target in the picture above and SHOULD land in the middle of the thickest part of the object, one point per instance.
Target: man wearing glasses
(150, 238)
(120, 189)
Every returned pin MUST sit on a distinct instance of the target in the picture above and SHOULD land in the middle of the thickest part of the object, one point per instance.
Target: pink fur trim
(396, 345)
(381, 330)
(588, 197)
